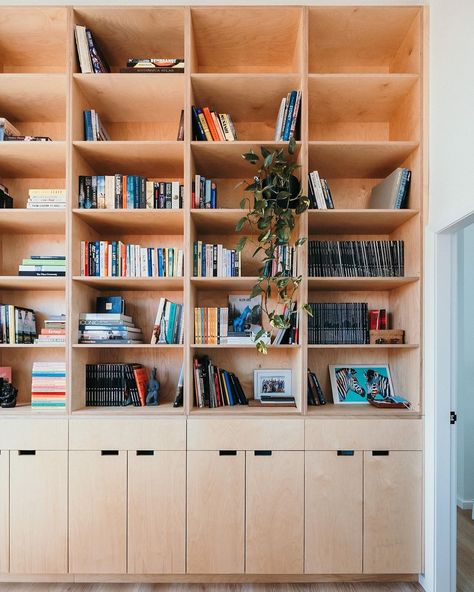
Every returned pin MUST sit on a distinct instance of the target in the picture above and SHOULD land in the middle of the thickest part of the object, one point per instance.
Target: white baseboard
(464, 504)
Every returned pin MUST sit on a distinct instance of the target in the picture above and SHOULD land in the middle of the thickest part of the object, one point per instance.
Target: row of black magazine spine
(315, 392)
(338, 323)
(111, 385)
(371, 258)
(216, 387)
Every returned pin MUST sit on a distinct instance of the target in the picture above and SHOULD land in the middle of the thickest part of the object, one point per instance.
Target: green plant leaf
(262, 347)
(292, 145)
(241, 244)
(265, 151)
(257, 250)
(307, 309)
(243, 203)
(300, 241)
(240, 223)
(268, 160)
(264, 236)
(251, 157)
(260, 334)
(256, 291)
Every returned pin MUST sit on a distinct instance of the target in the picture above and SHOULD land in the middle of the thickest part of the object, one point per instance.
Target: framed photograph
(273, 383)
(359, 383)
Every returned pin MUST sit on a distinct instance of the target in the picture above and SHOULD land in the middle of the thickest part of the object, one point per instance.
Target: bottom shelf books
(48, 385)
(216, 387)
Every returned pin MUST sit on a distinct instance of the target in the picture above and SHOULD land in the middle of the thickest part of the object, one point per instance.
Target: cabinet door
(274, 512)
(392, 512)
(38, 512)
(97, 512)
(216, 512)
(333, 512)
(156, 512)
(4, 511)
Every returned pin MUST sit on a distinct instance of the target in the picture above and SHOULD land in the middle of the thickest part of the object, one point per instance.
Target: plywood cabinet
(392, 512)
(98, 512)
(216, 512)
(4, 511)
(156, 512)
(38, 512)
(274, 512)
(333, 512)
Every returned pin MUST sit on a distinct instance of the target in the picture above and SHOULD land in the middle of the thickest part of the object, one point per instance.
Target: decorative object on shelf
(153, 387)
(395, 402)
(278, 202)
(359, 383)
(387, 336)
(8, 394)
(272, 386)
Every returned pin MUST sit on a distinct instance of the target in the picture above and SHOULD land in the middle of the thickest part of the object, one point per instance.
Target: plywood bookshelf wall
(360, 70)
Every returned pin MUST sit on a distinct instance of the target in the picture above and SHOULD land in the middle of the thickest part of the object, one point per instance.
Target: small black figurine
(8, 394)
(153, 386)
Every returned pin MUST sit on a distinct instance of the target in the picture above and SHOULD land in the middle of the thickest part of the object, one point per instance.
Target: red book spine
(210, 123)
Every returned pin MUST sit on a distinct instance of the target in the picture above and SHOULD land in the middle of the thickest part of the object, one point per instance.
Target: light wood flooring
(465, 567)
(210, 588)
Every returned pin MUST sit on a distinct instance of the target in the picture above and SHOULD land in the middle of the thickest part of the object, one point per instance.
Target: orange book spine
(210, 123)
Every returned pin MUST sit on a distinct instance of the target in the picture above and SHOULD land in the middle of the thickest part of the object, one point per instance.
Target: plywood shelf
(130, 283)
(33, 221)
(132, 346)
(217, 221)
(357, 221)
(146, 222)
(129, 411)
(348, 410)
(244, 410)
(365, 346)
(33, 97)
(359, 283)
(250, 346)
(32, 346)
(225, 283)
(33, 159)
(13, 282)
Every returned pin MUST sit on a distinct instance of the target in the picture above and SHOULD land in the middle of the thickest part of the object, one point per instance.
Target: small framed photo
(360, 383)
(272, 383)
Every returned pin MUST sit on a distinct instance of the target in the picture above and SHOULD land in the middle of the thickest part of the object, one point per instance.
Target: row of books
(115, 385)
(48, 386)
(43, 266)
(338, 323)
(91, 58)
(315, 392)
(53, 331)
(214, 260)
(17, 324)
(169, 323)
(9, 133)
(94, 129)
(216, 387)
(284, 262)
(368, 258)
(287, 117)
(320, 197)
(204, 193)
(392, 192)
(104, 328)
(46, 199)
(210, 325)
(118, 259)
(128, 192)
(211, 126)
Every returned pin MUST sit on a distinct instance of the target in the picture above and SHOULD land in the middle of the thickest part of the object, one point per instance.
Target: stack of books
(392, 192)
(94, 130)
(46, 199)
(17, 324)
(285, 262)
(6, 200)
(211, 126)
(320, 197)
(287, 118)
(48, 385)
(211, 260)
(315, 392)
(169, 323)
(129, 192)
(204, 193)
(108, 329)
(115, 385)
(9, 133)
(117, 259)
(373, 258)
(154, 66)
(43, 266)
(91, 58)
(339, 323)
(53, 331)
(210, 325)
(216, 387)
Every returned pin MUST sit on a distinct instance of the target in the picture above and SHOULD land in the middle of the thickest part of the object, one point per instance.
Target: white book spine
(175, 195)
(279, 120)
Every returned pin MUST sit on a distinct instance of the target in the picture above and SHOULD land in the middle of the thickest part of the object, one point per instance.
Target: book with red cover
(6, 373)
(141, 378)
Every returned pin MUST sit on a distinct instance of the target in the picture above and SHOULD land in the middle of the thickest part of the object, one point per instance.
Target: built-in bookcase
(360, 70)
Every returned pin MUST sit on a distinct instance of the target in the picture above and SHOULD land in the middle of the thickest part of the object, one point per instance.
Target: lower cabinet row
(256, 512)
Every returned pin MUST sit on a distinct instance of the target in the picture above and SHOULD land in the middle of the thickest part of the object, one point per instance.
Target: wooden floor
(210, 588)
(465, 567)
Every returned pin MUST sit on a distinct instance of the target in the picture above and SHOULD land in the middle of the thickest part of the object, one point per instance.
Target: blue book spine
(213, 196)
(229, 388)
(203, 261)
(208, 201)
(136, 192)
(170, 327)
(130, 199)
(403, 189)
(97, 259)
(232, 263)
(150, 261)
(88, 135)
(160, 262)
(114, 259)
(289, 117)
(197, 126)
(171, 262)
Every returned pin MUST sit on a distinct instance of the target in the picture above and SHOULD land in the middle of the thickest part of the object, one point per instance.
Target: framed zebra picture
(360, 383)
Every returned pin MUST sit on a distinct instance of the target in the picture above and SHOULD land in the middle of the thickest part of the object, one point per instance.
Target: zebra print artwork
(361, 383)
(346, 380)
(377, 384)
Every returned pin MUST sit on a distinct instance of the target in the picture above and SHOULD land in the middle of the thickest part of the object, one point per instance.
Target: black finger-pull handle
(145, 453)
(109, 452)
(262, 452)
(227, 452)
(26, 452)
(380, 453)
(345, 453)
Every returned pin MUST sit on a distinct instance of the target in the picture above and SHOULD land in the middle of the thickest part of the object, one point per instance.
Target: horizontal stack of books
(43, 266)
(339, 323)
(9, 133)
(154, 66)
(169, 323)
(287, 118)
(48, 385)
(115, 385)
(53, 331)
(371, 258)
(392, 192)
(6, 200)
(320, 197)
(17, 324)
(46, 199)
(211, 126)
(204, 193)
(285, 262)
(130, 192)
(211, 260)
(91, 58)
(210, 325)
(94, 130)
(216, 387)
(117, 259)
(108, 328)
(315, 392)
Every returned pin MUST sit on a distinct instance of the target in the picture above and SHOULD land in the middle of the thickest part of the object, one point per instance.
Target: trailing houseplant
(275, 202)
